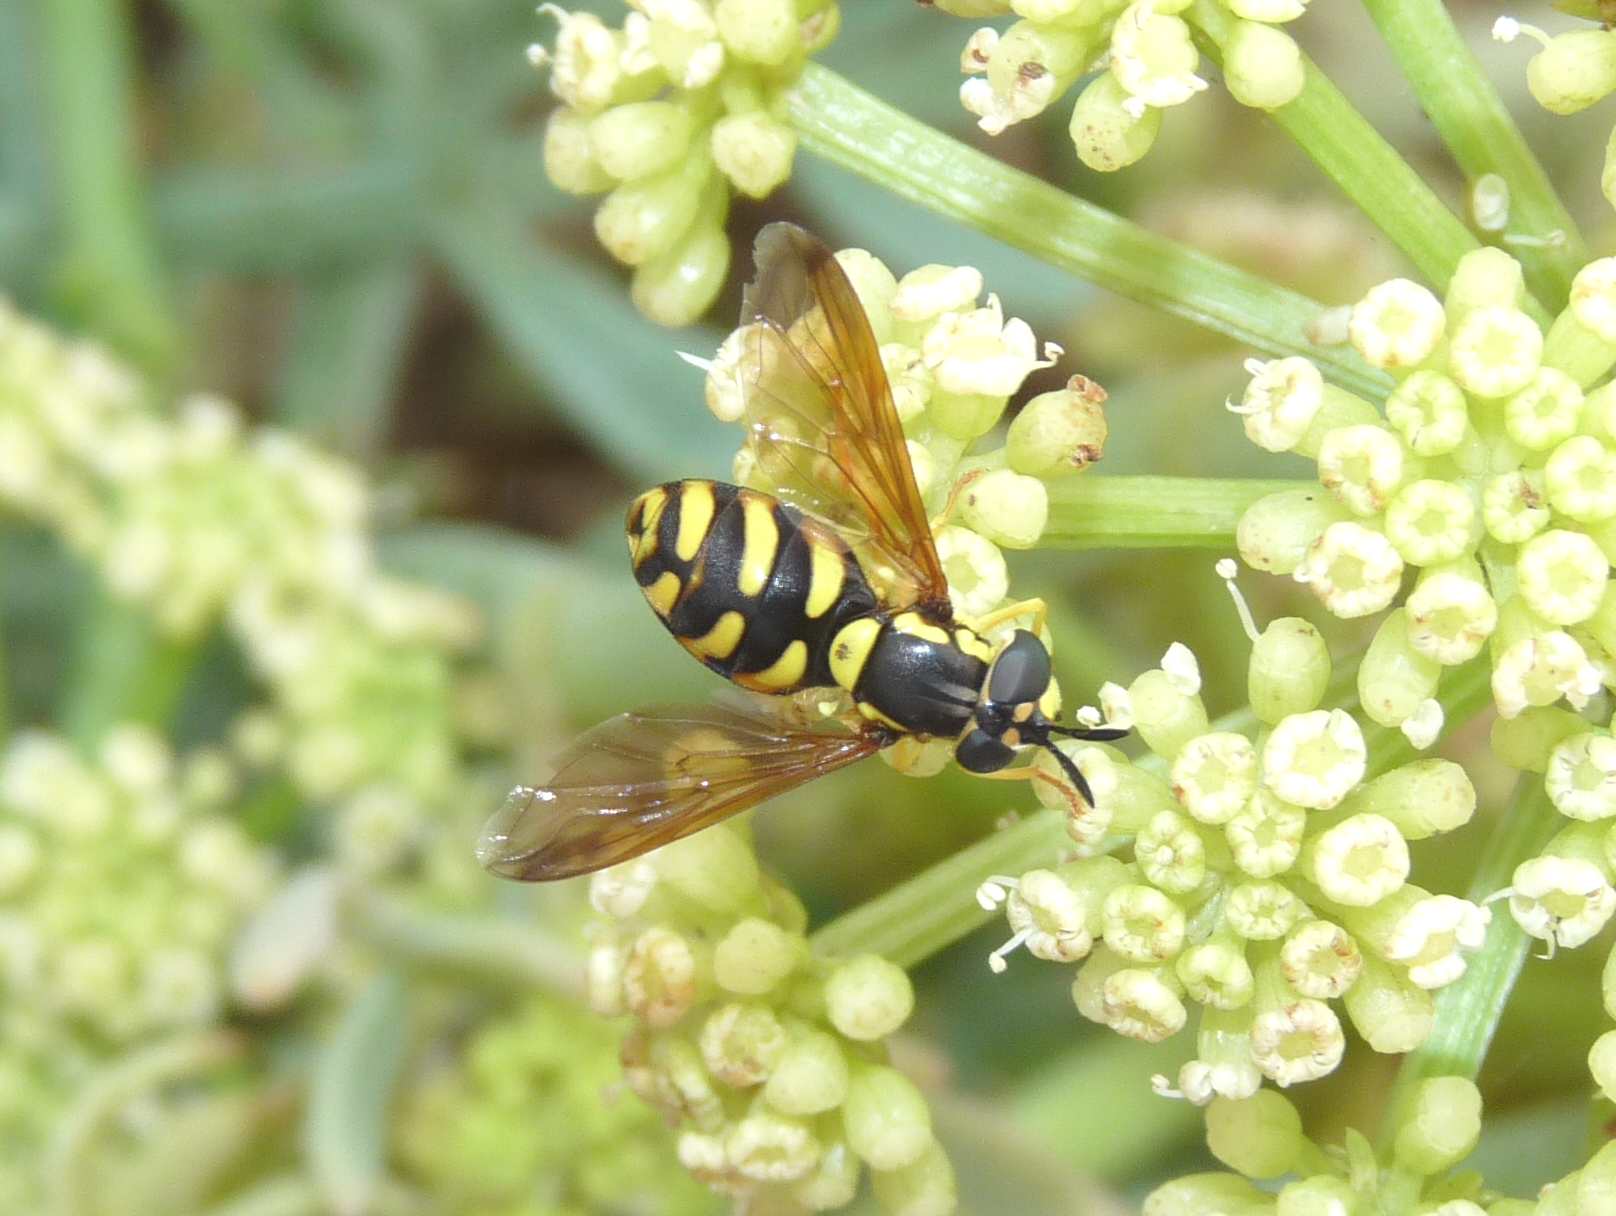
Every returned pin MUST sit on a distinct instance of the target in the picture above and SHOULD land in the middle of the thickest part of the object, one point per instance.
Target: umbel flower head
(768, 1060)
(1148, 54)
(1260, 880)
(668, 116)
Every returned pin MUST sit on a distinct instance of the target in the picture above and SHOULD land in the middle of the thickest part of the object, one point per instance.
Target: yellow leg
(1035, 607)
(1029, 772)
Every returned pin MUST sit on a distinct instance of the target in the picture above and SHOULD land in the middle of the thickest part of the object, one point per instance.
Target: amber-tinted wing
(823, 426)
(647, 778)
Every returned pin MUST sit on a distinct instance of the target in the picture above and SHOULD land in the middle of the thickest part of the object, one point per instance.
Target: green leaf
(345, 1129)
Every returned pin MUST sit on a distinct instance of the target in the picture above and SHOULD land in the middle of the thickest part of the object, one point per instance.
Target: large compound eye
(1021, 672)
(980, 752)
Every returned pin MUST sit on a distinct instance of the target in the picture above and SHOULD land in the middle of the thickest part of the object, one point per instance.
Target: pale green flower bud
(977, 577)
(644, 219)
(1276, 532)
(740, 1044)
(1596, 1182)
(1058, 433)
(868, 998)
(754, 956)
(1167, 711)
(1299, 1040)
(1314, 759)
(1581, 776)
(1108, 130)
(1398, 324)
(875, 287)
(1566, 900)
(885, 1118)
(1260, 1136)
(1214, 775)
(1142, 924)
(1430, 412)
(716, 869)
(1450, 615)
(1320, 960)
(926, 293)
(924, 1187)
(1602, 1063)
(1359, 861)
(1395, 678)
(1545, 412)
(1440, 1125)
(1496, 352)
(1262, 66)
(1514, 506)
(1289, 670)
(809, 1076)
(1562, 576)
(761, 31)
(1573, 71)
(1321, 1195)
(833, 1182)
(1581, 479)
(1391, 1013)
(1263, 910)
(1008, 508)
(1216, 973)
(640, 139)
(754, 152)
(1354, 570)
(1526, 741)
(1154, 58)
(1484, 278)
(569, 156)
(1362, 466)
(1337, 408)
(675, 288)
(1266, 836)
(965, 416)
(1422, 798)
(661, 977)
(1200, 1194)
(1433, 521)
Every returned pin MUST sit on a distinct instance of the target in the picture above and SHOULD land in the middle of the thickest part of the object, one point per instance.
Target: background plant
(268, 663)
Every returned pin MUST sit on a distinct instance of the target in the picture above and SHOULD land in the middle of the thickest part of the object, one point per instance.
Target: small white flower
(978, 578)
(1397, 324)
(1199, 1081)
(1450, 617)
(1154, 58)
(1281, 402)
(771, 1148)
(1302, 1041)
(1314, 759)
(1320, 960)
(1353, 570)
(659, 977)
(1263, 910)
(1116, 705)
(1562, 575)
(1182, 671)
(1266, 836)
(1581, 776)
(1360, 861)
(1540, 670)
(584, 65)
(1046, 916)
(1432, 937)
(1362, 466)
(1495, 352)
(1137, 1004)
(621, 891)
(1561, 900)
(980, 353)
(1593, 298)
(933, 290)
(1142, 924)
(1424, 726)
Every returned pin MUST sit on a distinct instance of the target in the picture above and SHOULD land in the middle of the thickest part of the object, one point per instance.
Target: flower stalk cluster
(669, 116)
(1149, 53)
(953, 363)
(1263, 880)
(771, 1062)
(1570, 72)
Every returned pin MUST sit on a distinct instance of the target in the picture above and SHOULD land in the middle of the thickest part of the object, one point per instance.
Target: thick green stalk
(109, 275)
(846, 125)
(1478, 130)
(124, 671)
(1368, 170)
(1151, 512)
(1468, 1012)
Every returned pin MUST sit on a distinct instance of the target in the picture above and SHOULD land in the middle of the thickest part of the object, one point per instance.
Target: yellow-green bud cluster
(953, 363)
(768, 1060)
(1496, 443)
(1149, 58)
(521, 1099)
(1570, 72)
(122, 883)
(1261, 1139)
(667, 116)
(1264, 878)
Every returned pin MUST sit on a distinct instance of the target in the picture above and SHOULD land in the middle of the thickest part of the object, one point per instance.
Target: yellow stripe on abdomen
(827, 570)
(784, 672)
(696, 506)
(720, 641)
(850, 650)
(760, 544)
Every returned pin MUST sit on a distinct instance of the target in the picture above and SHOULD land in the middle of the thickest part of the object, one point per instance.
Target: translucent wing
(824, 430)
(647, 778)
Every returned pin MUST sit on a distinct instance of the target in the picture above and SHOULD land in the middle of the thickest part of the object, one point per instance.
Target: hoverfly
(831, 582)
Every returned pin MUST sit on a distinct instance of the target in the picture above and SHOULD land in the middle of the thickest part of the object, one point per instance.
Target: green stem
(1478, 130)
(124, 671)
(1355, 157)
(1151, 512)
(848, 126)
(109, 275)
(1468, 1012)
(507, 952)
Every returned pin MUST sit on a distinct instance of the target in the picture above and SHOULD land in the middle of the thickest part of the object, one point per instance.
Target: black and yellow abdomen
(750, 586)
